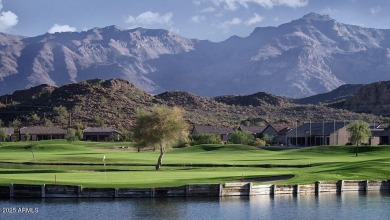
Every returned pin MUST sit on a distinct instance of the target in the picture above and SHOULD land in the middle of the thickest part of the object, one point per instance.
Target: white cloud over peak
(375, 10)
(227, 24)
(8, 19)
(149, 18)
(56, 28)
(235, 4)
(254, 20)
(329, 11)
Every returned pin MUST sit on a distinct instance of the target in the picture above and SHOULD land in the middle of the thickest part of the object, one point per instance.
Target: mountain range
(313, 54)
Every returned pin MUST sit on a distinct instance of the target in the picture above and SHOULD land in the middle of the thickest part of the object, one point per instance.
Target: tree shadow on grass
(29, 171)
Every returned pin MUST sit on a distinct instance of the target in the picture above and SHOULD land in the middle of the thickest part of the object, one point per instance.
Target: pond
(348, 205)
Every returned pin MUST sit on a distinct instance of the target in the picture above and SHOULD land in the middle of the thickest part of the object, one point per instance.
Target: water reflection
(348, 205)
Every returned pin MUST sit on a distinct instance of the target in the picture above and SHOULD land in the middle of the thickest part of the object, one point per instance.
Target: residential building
(101, 134)
(38, 133)
(256, 131)
(379, 136)
(222, 132)
(318, 133)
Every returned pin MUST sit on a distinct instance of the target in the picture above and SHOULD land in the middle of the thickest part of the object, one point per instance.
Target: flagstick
(104, 162)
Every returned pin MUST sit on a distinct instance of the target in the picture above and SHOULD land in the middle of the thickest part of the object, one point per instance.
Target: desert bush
(205, 139)
(259, 142)
(240, 137)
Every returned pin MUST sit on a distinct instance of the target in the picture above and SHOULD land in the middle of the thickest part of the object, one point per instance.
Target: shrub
(259, 142)
(71, 135)
(181, 143)
(206, 139)
(240, 137)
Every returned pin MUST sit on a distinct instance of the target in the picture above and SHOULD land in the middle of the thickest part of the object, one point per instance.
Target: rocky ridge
(115, 102)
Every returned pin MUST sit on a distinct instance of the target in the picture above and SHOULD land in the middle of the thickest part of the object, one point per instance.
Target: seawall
(194, 190)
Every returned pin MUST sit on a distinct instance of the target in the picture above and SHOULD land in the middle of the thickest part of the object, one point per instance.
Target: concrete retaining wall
(222, 190)
(4, 192)
(61, 191)
(135, 193)
(170, 192)
(203, 190)
(235, 189)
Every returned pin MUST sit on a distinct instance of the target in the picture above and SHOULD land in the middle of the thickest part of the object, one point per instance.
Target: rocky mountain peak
(304, 57)
(317, 17)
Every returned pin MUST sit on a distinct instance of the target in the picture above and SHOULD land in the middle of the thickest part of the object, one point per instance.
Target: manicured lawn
(82, 164)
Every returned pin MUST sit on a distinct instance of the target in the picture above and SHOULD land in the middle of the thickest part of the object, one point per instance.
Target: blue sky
(214, 20)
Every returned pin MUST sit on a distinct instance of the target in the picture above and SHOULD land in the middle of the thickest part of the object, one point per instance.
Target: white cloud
(235, 4)
(198, 19)
(208, 10)
(254, 20)
(150, 18)
(56, 28)
(329, 11)
(8, 19)
(375, 10)
(227, 24)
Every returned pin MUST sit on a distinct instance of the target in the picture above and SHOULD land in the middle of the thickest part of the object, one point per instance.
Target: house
(9, 132)
(101, 134)
(256, 131)
(260, 131)
(270, 131)
(38, 133)
(282, 130)
(379, 136)
(222, 132)
(318, 133)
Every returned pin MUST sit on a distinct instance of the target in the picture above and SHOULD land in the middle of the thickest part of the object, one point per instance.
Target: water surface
(348, 205)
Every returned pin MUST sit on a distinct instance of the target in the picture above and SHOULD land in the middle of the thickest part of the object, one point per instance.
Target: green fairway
(82, 164)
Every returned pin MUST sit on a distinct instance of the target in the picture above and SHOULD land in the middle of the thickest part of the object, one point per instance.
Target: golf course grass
(82, 163)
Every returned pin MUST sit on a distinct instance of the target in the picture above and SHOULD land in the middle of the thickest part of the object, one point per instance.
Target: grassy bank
(82, 163)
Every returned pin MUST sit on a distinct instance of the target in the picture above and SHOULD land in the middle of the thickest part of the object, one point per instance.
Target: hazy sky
(214, 20)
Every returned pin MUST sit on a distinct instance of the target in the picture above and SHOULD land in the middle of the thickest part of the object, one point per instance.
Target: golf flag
(104, 157)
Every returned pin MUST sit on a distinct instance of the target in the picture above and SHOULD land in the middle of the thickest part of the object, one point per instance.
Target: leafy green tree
(35, 119)
(71, 136)
(359, 131)
(27, 137)
(127, 135)
(61, 115)
(206, 139)
(113, 137)
(241, 137)
(160, 127)
(1, 123)
(79, 134)
(3, 135)
(16, 123)
(48, 123)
